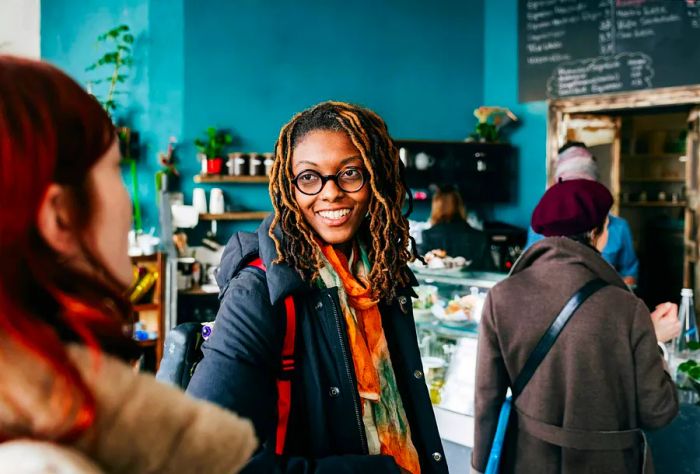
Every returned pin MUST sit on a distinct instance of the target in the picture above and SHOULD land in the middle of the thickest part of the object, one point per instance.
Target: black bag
(181, 354)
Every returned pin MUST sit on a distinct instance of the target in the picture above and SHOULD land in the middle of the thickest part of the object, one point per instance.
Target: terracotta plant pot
(215, 165)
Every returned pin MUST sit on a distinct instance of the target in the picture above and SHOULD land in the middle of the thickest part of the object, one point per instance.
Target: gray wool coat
(604, 373)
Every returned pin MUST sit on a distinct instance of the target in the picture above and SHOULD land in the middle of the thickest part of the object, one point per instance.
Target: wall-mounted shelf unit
(203, 178)
(653, 180)
(235, 216)
(151, 310)
(655, 204)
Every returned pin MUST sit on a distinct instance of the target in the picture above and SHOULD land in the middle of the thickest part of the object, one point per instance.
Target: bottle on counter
(680, 350)
(689, 324)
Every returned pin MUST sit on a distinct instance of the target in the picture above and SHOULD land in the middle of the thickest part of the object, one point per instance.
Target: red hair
(51, 131)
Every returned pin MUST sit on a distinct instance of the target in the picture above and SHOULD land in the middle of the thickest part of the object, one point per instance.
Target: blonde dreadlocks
(385, 230)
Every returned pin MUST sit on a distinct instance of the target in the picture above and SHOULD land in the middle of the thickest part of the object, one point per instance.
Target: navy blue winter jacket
(242, 360)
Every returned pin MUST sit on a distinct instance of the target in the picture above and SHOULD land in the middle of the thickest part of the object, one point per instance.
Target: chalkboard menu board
(583, 47)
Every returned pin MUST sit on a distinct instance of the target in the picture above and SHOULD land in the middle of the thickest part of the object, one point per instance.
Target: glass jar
(268, 162)
(255, 164)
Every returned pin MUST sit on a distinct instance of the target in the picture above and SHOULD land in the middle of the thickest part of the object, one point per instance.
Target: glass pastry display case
(447, 313)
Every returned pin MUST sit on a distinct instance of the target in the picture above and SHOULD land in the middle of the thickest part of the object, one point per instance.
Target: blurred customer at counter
(450, 231)
(69, 400)
(603, 380)
(575, 161)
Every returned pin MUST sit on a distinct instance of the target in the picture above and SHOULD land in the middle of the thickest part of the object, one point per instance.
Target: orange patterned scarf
(375, 375)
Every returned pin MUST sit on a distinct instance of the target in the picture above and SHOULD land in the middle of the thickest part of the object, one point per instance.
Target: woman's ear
(54, 222)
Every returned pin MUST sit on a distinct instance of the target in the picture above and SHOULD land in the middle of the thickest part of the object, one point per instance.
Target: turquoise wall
(252, 65)
(501, 88)
(154, 103)
(249, 66)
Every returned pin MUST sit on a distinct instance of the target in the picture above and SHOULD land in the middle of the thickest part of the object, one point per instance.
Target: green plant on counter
(213, 145)
(113, 62)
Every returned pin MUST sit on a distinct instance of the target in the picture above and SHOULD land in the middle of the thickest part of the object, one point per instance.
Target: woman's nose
(331, 191)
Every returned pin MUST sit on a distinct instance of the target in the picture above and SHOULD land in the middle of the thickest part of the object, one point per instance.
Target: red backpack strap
(284, 379)
(258, 263)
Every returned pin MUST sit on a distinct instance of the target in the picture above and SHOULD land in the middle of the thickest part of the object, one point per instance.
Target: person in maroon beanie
(603, 380)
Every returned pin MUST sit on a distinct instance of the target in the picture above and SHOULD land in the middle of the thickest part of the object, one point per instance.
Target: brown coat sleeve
(144, 426)
(492, 383)
(657, 397)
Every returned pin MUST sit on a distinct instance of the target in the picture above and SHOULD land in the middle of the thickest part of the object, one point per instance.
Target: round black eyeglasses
(311, 183)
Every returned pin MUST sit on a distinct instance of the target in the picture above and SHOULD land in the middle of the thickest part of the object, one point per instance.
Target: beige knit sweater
(142, 426)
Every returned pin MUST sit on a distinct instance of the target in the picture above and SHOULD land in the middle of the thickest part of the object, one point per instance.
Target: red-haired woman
(67, 395)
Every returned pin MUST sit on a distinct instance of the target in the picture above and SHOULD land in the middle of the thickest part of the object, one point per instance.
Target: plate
(422, 314)
(458, 318)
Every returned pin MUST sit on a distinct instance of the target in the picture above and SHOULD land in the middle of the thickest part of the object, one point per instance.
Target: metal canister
(255, 163)
(268, 162)
(239, 164)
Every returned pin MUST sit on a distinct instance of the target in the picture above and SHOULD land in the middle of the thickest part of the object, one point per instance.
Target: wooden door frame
(687, 95)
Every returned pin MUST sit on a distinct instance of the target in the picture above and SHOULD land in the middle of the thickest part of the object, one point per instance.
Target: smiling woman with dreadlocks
(314, 340)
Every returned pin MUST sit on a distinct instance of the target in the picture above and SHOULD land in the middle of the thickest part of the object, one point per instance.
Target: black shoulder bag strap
(549, 337)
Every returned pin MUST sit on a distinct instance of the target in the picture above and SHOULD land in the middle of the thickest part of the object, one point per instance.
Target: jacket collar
(282, 280)
(562, 250)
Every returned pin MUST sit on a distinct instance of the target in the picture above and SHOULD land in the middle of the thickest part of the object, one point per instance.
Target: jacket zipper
(356, 402)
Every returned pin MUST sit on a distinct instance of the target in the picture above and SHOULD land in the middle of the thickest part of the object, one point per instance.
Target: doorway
(646, 146)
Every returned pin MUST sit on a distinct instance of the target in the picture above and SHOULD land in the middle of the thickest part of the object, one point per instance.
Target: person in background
(575, 161)
(338, 244)
(450, 231)
(604, 374)
(69, 400)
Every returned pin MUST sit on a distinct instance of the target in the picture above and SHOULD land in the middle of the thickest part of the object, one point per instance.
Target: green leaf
(91, 67)
(687, 365)
(121, 78)
(128, 38)
(695, 373)
(693, 345)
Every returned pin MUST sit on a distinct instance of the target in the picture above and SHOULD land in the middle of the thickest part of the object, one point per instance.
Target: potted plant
(490, 122)
(212, 147)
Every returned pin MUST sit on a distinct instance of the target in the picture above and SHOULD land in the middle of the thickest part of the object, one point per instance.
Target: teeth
(334, 214)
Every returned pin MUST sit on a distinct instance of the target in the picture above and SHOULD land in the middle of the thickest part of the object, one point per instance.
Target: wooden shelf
(197, 292)
(235, 216)
(652, 156)
(231, 179)
(652, 180)
(152, 311)
(655, 204)
(147, 343)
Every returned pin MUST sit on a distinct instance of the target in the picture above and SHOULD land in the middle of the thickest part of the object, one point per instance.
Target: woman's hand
(665, 321)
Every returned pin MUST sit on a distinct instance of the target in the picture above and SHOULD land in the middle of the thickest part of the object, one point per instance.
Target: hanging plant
(112, 70)
(113, 66)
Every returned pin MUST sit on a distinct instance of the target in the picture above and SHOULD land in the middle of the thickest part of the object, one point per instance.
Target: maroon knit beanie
(572, 207)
